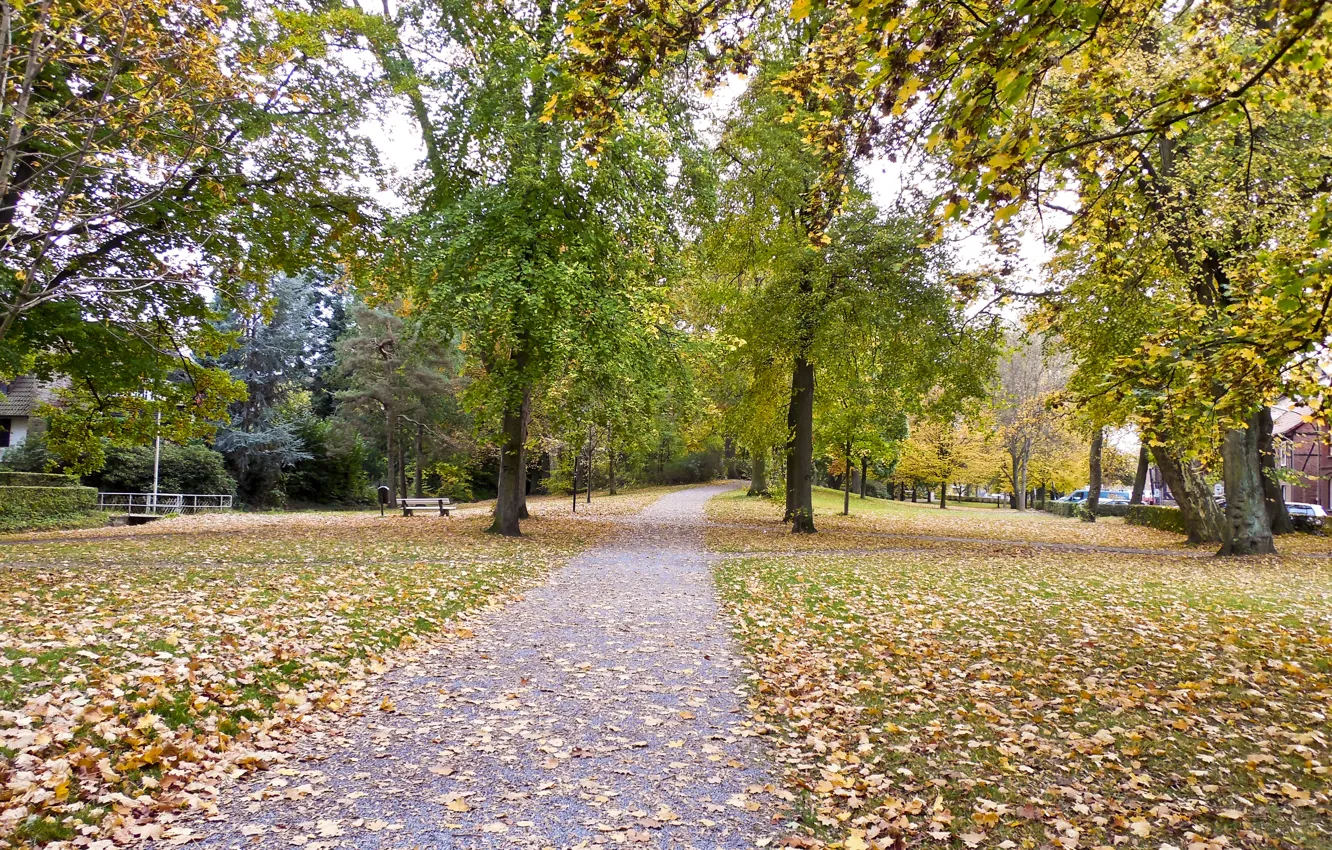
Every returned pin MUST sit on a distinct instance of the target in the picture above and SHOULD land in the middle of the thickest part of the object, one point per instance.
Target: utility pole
(157, 459)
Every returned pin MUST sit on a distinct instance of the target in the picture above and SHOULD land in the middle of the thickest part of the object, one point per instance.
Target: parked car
(1306, 517)
(1108, 497)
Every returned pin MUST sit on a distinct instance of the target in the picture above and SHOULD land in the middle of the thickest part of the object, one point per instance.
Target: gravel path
(603, 708)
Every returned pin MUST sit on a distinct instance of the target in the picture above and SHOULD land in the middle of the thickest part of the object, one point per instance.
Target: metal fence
(161, 504)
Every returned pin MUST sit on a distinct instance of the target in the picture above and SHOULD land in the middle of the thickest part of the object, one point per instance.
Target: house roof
(1286, 419)
(23, 395)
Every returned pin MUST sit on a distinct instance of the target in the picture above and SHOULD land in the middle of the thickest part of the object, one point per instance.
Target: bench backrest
(424, 501)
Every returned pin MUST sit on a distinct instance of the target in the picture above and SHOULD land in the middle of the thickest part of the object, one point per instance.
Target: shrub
(335, 471)
(59, 522)
(27, 508)
(455, 482)
(183, 469)
(1079, 509)
(1063, 509)
(1154, 516)
(31, 455)
(36, 479)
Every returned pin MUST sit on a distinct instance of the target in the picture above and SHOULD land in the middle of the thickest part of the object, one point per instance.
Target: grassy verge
(140, 666)
(1053, 700)
(747, 524)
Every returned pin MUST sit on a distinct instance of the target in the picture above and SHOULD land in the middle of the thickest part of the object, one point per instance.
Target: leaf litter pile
(141, 667)
(1057, 700)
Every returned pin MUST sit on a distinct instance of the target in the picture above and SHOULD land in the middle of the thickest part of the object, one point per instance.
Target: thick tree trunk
(1094, 482)
(1023, 502)
(846, 482)
(913, 491)
(402, 463)
(1202, 518)
(864, 474)
(790, 453)
(610, 459)
(801, 482)
(943, 495)
(416, 484)
(728, 457)
(591, 447)
(390, 451)
(1248, 531)
(511, 499)
(758, 476)
(1278, 517)
(1140, 477)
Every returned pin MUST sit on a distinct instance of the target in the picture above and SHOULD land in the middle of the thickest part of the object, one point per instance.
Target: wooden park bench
(409, 506)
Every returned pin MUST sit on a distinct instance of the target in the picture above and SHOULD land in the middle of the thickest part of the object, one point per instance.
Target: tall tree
(860, 298)
(398, 370)
(277, 337)
(1023, 404)
(153, 153)
(527, 244)
(1183, 129)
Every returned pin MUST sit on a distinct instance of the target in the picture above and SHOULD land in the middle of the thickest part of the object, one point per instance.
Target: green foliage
(1079, 510)
(454, 481)
(1156, 516)
(36, 479)
(32, 507)
(334, 472)
(31, 455)
(205, 162)
(193, 468)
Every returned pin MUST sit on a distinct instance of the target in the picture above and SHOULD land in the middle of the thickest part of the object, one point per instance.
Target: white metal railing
(161, 504)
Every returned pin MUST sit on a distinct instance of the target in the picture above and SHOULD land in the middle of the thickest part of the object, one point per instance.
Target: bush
(1079, 509)
(59, 522)
(454, 481)
(183, 469)
(1063, 509)
(334, 474)
(31, 455)
(1154, 516)
(694, 468)
(28, 508)
(36, 479)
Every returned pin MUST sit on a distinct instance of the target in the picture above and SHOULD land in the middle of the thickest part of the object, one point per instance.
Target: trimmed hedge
(26, 508)
(1070, 509)
(60, 522)
(1156, 516)
(37, 479)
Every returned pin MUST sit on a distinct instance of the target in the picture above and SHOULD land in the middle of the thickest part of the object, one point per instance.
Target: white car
(1108, 497)
(1306, 517)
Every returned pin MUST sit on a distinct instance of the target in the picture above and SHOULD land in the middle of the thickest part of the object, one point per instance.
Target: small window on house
(4, 432)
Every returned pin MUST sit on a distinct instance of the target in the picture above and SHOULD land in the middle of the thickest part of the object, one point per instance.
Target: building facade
(1302, 449)
(22, 397)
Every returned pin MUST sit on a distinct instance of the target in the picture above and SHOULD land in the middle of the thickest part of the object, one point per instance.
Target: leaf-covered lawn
(1047, 700)
(137, 666)
(746, 524)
